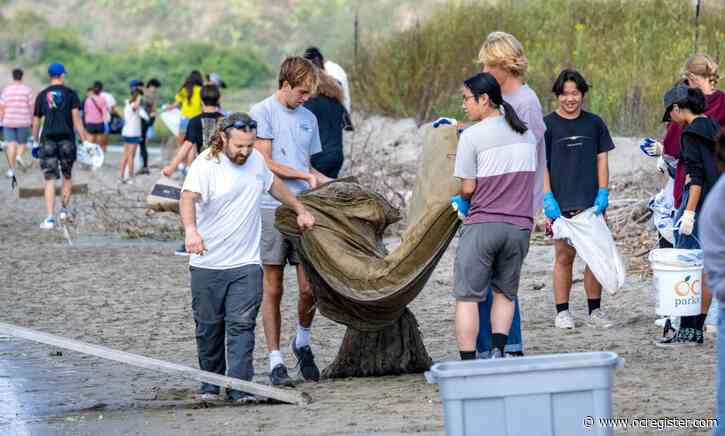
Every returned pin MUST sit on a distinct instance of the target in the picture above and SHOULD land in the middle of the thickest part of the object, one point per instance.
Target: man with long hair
(220, 211)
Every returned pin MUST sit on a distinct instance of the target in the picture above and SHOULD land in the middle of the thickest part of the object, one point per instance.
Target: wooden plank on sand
(81, 188)
(284, 395)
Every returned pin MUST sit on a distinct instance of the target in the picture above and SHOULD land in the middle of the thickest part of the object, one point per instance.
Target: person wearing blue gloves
(496, 165)
(576, 179)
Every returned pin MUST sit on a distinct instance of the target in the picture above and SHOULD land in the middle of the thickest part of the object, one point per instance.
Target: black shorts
(57, 157)
(95, 128)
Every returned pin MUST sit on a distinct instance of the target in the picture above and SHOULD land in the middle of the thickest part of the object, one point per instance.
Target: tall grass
(630, 51)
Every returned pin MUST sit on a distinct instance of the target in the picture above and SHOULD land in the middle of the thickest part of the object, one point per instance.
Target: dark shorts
(131, 139)
(489, 254)
(19, 135)
(276, 249)
(95, 128)
(56, 158)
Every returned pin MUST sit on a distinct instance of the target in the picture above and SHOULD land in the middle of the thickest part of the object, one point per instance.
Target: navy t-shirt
(56, 103)
(572, 147)
(200, 129)
(330, 115)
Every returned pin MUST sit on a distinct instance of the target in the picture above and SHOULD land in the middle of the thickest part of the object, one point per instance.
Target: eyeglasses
(466, 97)
(240, 124)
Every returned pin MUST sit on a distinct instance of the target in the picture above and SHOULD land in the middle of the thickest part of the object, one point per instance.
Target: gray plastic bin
(548, 395)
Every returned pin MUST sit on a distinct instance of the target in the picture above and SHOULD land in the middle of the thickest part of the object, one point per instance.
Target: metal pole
(356, 34)
(697, 24)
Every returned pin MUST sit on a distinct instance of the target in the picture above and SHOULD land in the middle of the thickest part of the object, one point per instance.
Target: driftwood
(287, 396)
(396, 349)
(23, 192)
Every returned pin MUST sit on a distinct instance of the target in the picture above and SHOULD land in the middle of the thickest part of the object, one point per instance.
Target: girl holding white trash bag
(576, 179)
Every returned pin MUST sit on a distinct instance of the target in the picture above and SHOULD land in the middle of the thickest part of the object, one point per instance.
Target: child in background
(131, 134)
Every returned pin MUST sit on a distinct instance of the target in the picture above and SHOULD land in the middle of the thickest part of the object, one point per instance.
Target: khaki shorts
(276, 249)
(489, 254)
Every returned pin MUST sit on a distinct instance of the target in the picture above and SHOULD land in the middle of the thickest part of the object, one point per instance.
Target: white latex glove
(662, 165)
(686, 223)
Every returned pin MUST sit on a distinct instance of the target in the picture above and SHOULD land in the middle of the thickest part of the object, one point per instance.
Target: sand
(133, 295)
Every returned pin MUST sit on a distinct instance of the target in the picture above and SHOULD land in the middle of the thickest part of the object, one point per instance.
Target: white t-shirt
(131, 121)
(339, 74)
(111, 102)
(228, 214)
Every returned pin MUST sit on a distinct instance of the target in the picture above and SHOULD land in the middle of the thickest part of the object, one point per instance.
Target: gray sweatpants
(226, 303)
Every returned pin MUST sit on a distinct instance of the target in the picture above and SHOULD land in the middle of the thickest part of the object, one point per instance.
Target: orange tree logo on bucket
(688, 292)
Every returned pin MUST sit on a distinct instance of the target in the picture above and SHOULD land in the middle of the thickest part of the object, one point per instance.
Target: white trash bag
(90, 154)
(663, 211)
(590, 236)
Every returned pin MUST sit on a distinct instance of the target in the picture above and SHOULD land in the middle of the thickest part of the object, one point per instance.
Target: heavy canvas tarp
(356, 282)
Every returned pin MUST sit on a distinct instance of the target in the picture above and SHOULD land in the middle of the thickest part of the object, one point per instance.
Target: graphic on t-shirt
(54, 99)
(207, 131)
(574, 141)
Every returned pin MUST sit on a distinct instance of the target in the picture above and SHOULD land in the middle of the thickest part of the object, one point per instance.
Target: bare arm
(468, 187)
(602, 170)
(79, 125)
(321, 178)
(693, 200)
(547, 181)
(264, 146)
(36, 128)
(305, 220)
(187, 209)
(180, 155)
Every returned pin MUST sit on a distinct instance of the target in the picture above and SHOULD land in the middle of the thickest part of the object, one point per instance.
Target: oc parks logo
(687, 292)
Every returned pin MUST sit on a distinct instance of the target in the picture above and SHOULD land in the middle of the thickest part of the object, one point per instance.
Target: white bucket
(677, 281)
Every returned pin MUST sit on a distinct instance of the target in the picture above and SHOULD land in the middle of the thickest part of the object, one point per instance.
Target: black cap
(677, 94)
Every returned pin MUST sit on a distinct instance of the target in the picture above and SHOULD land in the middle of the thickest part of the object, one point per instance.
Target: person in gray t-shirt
(287, 135)
(712, 236)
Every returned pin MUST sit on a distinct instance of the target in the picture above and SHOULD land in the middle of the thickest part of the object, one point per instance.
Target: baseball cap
(677, 94)
(214, 77)
(134, 83)
(56, 69)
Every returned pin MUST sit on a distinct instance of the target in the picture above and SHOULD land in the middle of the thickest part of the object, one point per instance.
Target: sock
(499, 341)
(593, 304)
(562, 307)
(275, 358)
(303, 336)
(688, 322)
(700, 321)
(467, 355)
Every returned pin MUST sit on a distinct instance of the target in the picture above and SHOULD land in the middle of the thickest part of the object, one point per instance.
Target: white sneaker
(20, 161)
(63, 214)
(10, 174)
(599, 318)
(564, 320)
(48, 223)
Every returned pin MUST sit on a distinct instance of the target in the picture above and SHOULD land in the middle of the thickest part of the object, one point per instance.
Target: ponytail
(485, 83)
(513, 119)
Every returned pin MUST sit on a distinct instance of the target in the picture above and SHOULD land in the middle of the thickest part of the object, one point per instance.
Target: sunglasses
(240, 125)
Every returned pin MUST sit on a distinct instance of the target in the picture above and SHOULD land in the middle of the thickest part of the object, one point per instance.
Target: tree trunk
(396, 349)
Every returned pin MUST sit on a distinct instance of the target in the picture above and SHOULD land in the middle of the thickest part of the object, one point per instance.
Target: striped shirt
(17, 100)
(503, 163)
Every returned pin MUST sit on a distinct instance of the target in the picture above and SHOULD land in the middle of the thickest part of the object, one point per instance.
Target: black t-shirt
(698, 145)
(330, 115)
(572, 147)
(200, 129)
(56, 103)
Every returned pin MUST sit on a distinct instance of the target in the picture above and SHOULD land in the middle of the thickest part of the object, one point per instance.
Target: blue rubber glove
(551, 207)
(460, 205)
(602, 201)
(34, 149)
(443, 121)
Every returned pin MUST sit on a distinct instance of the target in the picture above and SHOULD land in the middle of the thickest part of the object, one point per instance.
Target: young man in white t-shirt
(220, 211)
(287, 135)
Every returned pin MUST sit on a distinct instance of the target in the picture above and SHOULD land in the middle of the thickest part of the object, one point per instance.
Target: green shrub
(630, 52)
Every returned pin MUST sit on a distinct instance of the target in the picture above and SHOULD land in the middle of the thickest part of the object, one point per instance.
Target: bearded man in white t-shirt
(220, 211)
